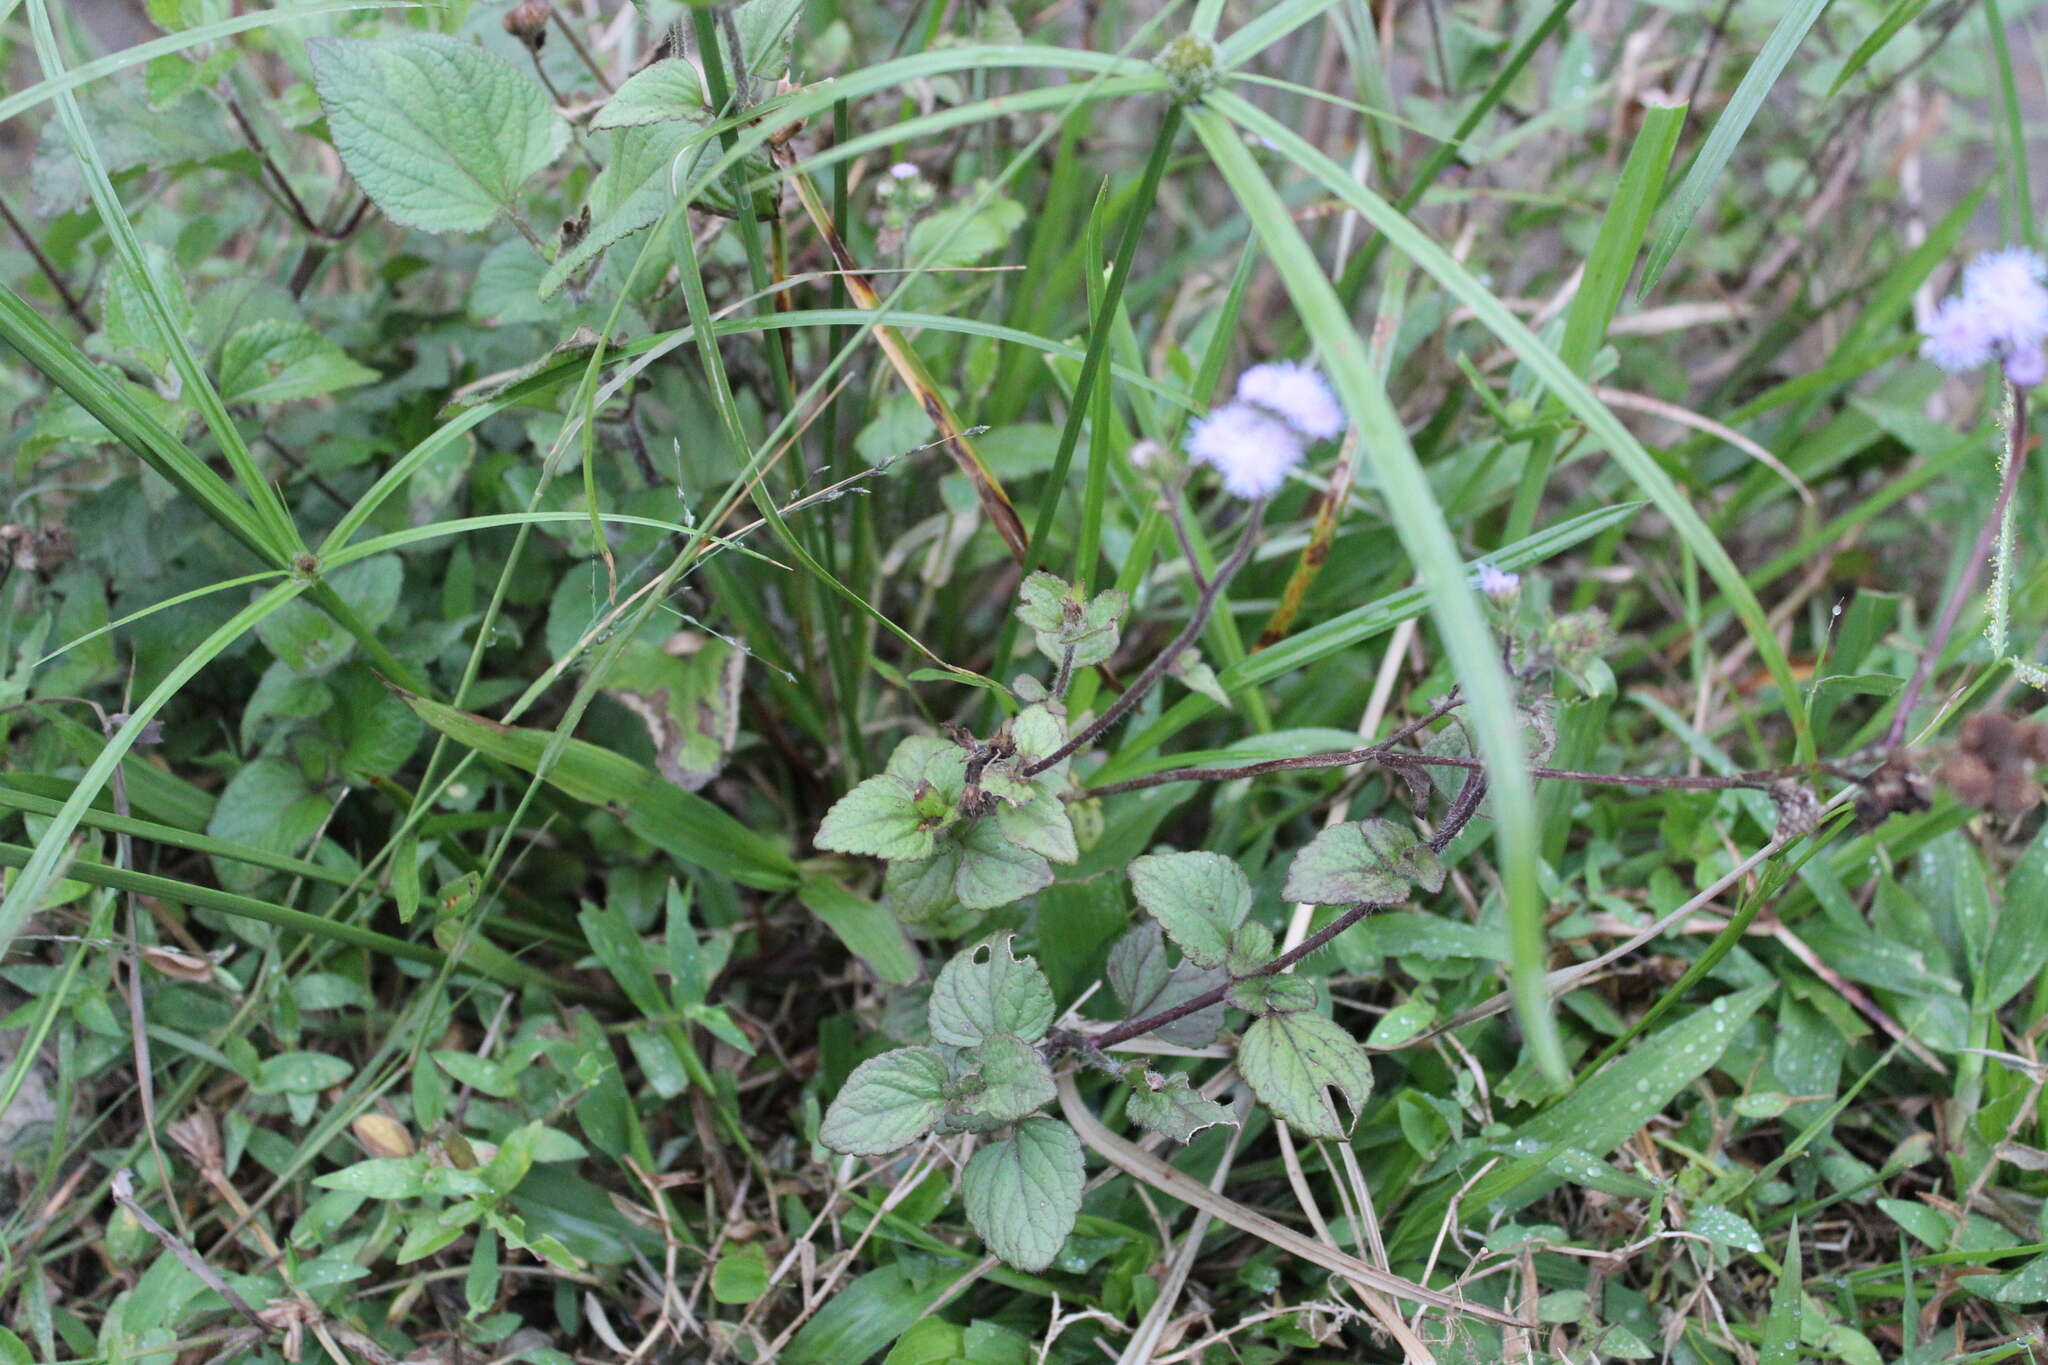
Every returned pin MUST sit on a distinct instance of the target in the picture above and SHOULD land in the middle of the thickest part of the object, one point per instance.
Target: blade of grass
(39, 873)
(1607, 268)
(59, 361)
(1621, 444)
(280, 534)
(1902, 13)
(1101, 328)
(2016, 209)
(1691, 195)
(1419, 522)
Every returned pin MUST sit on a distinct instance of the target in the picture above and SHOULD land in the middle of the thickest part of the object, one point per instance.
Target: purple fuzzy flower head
(2002, 314)
(1297, 394)
(1495, 581)
(1250, 447)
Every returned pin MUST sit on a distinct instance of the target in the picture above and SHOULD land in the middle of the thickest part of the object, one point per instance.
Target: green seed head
(1189, 63)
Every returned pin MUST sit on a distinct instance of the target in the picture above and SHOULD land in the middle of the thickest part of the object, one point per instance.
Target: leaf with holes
(1293, 1061)
(887, 1102)
(1198, 898)
(1023, 1193)
(987, 990)
(440, 134)
(1168, 1105)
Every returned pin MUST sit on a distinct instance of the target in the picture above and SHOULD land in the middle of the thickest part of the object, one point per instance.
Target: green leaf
(987, 990)
(993, 871)
(879, 818)
(887, 1102)
(1294, 1060)
(1691, 195)
(1023, 1193)
(274, 362)
(440, 134)
(1005, 1080)
(1040, 825)
(669, 89)
(1139, 975)
(868, 930)
(917, 890)
(1374, 862)
(1278, 994)
(1061, 617)
(1607, 1108)
(643, 167)
(741, 1276)
(301, 1073)
(1788, 1306)
(1902, 13)
(681, 823)
(390, 1177)
(2019, 938)
(1169, 1105)
(875, 1309)
(478, 1073)
(1719, 1224)
(1198, 898)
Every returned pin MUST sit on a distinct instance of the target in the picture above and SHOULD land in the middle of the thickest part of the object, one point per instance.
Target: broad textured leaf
(993, 871)
(1169, 1105)
(1005, 1079)
(644, 167)
(274, 362)
(917, 890)
(1374, 861)
(1023, 1193)
(1040, 825)
(438, 133)
(987, 990)
(669, 89)
(1293, 1061)
(1279, 994)
(879, 818)
(887, 1102)
(1142, 980)
(1198, 898)
(687, 693)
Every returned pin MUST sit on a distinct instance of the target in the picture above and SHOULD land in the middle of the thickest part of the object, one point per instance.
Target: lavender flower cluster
(1254, 440)
(2002, 314)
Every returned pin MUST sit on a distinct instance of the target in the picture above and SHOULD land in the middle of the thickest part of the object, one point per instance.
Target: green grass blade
(1474, 653)
(39, 872)
(1267, 27)
(169, 835)
(1902, 13)
(1691, 194)
(1101, 328)
(280, 534)
(1622, 229)
(47, 349)
(2017, 209)
(1621, 444)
